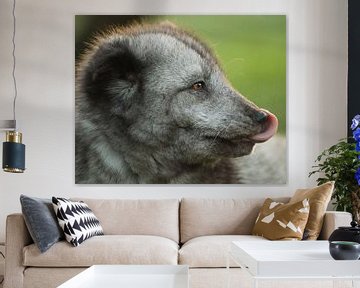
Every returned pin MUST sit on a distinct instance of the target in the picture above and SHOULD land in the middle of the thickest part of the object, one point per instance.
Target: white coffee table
(131, 276)
(297, 260)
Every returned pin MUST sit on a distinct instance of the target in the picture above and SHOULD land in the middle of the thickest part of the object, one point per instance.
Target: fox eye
(198, 86)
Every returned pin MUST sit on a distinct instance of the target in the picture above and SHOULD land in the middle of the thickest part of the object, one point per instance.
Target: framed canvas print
(180, 99)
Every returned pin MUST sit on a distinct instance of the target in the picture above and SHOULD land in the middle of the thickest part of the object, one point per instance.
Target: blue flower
(355, 126)
(356, 134)
(355, 122)
(357, 176)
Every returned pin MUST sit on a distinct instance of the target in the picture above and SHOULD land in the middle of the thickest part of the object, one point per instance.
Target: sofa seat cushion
(107, 249)
(211, 251)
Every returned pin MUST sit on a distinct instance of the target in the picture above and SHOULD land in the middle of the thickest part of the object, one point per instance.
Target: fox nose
(261, 116)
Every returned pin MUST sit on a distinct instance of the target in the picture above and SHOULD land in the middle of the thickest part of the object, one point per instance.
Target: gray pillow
(41, 221)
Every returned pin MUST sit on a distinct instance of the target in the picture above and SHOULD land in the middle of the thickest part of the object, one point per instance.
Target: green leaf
(338, 163)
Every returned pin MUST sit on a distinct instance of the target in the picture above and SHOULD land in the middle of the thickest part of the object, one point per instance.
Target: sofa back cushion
(200, 217)
(158, 217)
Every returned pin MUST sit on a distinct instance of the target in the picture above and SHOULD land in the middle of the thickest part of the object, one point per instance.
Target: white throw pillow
(77, 220)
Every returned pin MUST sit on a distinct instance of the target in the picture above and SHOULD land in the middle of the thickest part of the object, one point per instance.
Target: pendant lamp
(13, 160)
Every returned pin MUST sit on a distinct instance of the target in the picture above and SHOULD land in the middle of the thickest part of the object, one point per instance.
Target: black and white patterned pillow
(77, 220)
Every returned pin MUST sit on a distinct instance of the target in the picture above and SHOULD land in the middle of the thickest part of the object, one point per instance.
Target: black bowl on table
(346, 233)
(344, 250)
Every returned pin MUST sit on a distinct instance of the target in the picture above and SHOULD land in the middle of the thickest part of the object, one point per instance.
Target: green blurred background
(251, 49)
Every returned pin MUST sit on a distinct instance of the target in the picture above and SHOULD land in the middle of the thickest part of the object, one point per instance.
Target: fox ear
(112, 73)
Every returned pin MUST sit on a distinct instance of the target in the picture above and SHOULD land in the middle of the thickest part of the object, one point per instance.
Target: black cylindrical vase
(13, 153)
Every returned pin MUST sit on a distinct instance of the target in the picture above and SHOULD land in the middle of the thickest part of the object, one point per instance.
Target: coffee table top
(131, 276)
(291, 259)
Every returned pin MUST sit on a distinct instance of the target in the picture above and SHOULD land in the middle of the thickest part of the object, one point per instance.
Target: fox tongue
(271, 126)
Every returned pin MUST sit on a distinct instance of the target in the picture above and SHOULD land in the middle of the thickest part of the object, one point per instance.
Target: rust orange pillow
(319, 198)
(279, 221)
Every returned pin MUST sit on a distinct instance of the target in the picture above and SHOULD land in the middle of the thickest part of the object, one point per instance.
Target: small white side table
(131, 276)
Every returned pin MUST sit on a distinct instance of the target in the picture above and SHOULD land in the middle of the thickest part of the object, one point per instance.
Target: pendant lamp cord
(14, 61)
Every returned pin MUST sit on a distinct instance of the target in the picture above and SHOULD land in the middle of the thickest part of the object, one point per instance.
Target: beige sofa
(194, 232)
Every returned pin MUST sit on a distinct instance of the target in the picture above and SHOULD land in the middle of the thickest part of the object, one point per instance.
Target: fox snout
(261, 116)
(269, 124)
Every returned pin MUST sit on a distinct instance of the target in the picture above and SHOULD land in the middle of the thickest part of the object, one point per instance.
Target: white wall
(316, 93)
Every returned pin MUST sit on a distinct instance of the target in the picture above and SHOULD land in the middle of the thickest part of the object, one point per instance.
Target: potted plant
(341, 163)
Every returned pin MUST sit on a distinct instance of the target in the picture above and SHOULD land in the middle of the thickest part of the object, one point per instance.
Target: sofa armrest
(333, 220)
(17, 237)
